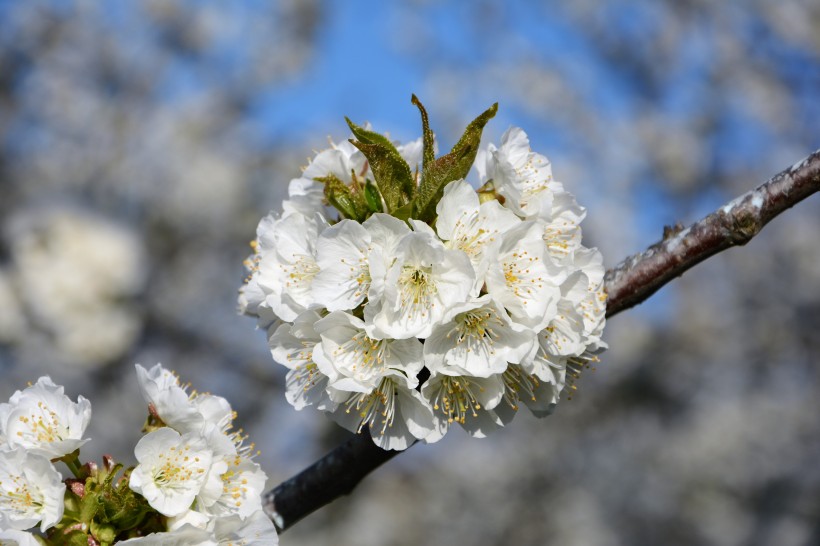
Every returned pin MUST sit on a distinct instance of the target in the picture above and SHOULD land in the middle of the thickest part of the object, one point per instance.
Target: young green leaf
(428, 151)
(369, 137)
(391, 171)
(404, 212)
(453, 166)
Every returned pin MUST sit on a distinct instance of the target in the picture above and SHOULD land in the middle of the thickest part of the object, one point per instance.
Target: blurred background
(141, 142)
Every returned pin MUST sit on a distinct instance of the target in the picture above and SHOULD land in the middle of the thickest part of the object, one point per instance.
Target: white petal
(458, 201)
(344, 277)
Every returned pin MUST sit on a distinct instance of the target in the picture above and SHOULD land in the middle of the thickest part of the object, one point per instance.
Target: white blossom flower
(240, 488)
(467, 225)
(565, 335)
(479, 340)
(224, 453)
(286, 273)
(356, 362)
(519, 386)
(344, 273)
(522, 177)
(523, 278)
(386, 233)
(44, 420)
(251, 295)
(305, 197)
(172, 469)
(183, 412)
(13, 537)
(394, 411)
(292, 346)
(255, 530)
(592, 305)
(562, 230)
(342, 160)
(465, 400)
(31, 490)
(425, 280)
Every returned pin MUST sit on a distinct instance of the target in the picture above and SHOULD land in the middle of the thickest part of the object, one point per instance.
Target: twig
(628, 284)
(332, 476)
(641, 275)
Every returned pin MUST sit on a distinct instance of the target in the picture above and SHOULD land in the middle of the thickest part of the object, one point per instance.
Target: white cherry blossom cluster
(405, 326)
(195, 470)
(195, 481)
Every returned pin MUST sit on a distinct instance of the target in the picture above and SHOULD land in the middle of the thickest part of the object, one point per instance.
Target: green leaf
(391, 171)
(369, 137)
(428, 151)
(404, 212)
(447, 168)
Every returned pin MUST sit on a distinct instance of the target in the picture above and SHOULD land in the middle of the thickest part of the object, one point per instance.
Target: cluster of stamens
(456, 399)
(416, 289)
(381, 402)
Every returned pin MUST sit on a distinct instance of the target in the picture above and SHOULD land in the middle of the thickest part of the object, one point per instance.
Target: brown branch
(628, 284)
(332, 476)
(641, 275)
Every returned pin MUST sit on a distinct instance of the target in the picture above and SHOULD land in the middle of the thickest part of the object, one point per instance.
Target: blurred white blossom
(76, 275)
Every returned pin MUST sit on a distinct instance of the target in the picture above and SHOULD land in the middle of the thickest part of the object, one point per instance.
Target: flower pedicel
(403, 300)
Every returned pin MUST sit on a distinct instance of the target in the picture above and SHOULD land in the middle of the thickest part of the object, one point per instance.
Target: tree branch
(639, 276)
(628, 284)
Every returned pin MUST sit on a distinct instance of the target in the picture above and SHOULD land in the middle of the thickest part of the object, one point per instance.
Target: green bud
(76, 538)
(103, 532)
(391, 171)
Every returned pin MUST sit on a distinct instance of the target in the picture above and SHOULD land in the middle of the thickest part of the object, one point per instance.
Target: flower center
(301, 271)
(363, 355)
(305, 378)
(517, 274)
(234, 484)
(475, 329)
(15, 496)
(176, 467)
(305, 354)
(517, 385)
(559, 236)
(469, 237)
(43, 426)
(378, 404)
(417, 290)
(456, 399)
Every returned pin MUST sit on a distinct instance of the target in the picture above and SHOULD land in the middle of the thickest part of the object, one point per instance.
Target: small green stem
(72, 461)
